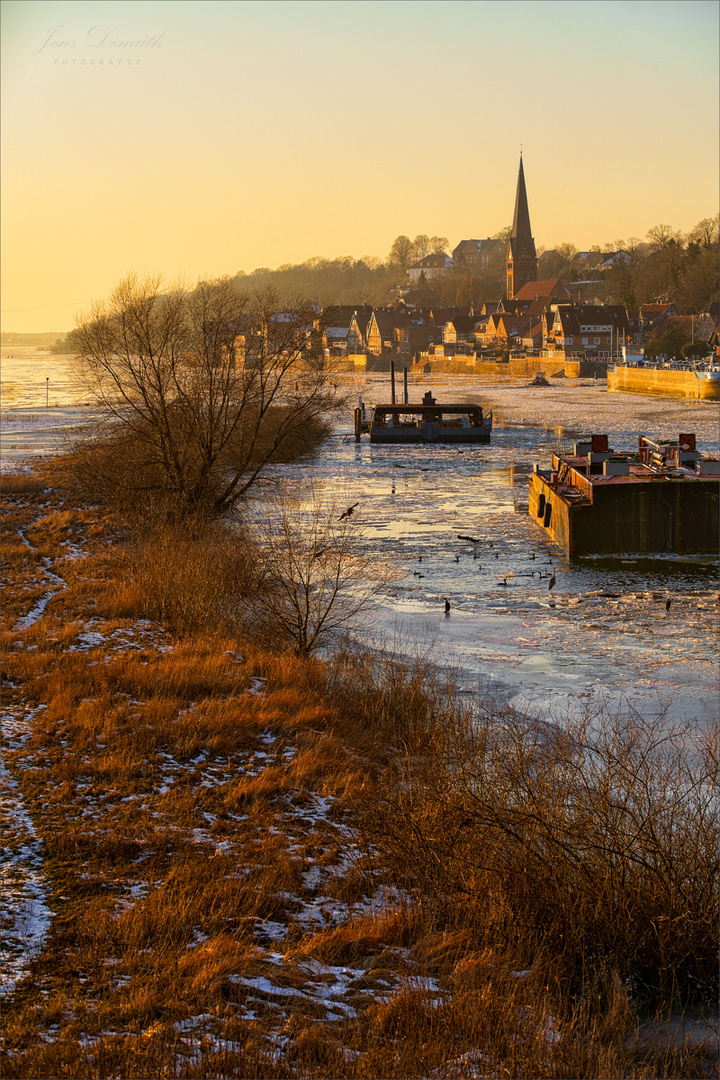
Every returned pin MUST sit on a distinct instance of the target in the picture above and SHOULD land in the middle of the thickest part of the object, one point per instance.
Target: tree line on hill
(667, 266)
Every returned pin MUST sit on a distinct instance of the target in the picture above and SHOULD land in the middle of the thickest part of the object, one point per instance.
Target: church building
(522, 258)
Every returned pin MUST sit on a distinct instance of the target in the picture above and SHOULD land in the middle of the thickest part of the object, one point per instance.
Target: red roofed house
(587, 330)
(553, 290)
(379, 333)
(503, 328)
(654, 318)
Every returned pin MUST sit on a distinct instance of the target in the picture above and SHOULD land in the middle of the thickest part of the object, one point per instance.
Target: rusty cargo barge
(663, 498)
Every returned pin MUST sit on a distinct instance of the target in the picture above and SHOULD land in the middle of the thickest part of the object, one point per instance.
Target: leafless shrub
(599, 839)
(315, 579)
(197, 390)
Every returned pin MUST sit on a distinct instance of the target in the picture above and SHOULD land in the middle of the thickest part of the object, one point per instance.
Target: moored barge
(701, 384)
(425, 423)
(663, 498)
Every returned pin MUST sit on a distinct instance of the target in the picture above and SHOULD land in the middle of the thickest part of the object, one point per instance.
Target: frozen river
(602, 637)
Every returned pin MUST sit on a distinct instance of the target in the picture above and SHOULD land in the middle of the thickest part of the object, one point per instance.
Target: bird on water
(667, 604)
(551, 582)
(447, 606)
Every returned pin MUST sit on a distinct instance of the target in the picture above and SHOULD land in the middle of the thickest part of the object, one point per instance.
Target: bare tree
(204, 386)
(421, 246)
(705, 233)
(438, 244)
(314, 578)
(661, 236)
(401, 252)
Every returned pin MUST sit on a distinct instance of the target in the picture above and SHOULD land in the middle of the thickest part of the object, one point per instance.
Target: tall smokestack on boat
(405, 389)
(392, 382)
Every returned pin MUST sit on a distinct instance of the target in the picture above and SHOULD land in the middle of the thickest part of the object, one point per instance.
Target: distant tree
(559, 262)
(421, 247)
(567, 252)
(193, 420)
(623, 279)
(662, 270)
(468, 292)
(438, 244)
(695, 350)
(662, 235)
(700, 285)
(669, 344)
(401, 253)
(706, 233)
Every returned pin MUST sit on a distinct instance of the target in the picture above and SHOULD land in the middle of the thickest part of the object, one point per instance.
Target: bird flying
(348, 513)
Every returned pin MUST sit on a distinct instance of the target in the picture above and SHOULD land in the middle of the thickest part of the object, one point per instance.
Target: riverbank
(218, 854)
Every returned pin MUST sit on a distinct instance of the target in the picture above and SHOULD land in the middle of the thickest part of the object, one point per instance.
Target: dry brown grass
(180, 823)
(21, 483)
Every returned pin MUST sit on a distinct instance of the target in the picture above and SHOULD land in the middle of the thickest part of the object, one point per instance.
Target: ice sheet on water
(517, 635)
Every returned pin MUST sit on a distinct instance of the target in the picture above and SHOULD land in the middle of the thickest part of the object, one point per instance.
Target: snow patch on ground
(27, 916)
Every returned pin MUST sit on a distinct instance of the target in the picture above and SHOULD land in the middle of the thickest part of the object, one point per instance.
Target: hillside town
(539, 319)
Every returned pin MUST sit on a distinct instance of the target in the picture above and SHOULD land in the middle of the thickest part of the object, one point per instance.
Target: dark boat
(427, 423)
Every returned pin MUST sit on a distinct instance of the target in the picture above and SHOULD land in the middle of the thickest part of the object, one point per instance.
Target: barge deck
(663, 498)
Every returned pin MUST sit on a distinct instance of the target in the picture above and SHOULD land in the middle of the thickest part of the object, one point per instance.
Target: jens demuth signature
(97, 37)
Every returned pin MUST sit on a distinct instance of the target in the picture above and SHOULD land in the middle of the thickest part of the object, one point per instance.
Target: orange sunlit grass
(263, 864)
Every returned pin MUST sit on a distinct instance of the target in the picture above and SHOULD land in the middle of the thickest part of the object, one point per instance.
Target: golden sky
(199, 139)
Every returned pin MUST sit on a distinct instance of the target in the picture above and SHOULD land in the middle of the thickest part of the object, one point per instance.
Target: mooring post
(392, 381)
(405, 390)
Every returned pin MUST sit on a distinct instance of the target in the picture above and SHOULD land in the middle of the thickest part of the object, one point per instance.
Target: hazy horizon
(239, 135)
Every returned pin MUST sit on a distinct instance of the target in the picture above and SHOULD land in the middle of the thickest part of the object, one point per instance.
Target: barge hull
(663, 516)
(429, 433)
(664, 382)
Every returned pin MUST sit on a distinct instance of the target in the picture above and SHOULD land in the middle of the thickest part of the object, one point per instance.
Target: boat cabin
(427, 423)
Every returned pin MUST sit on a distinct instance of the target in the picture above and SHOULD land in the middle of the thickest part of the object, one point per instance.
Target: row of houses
(542, 316)
(543, 319)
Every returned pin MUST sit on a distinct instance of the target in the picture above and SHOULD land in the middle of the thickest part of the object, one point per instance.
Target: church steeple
(522, 258)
